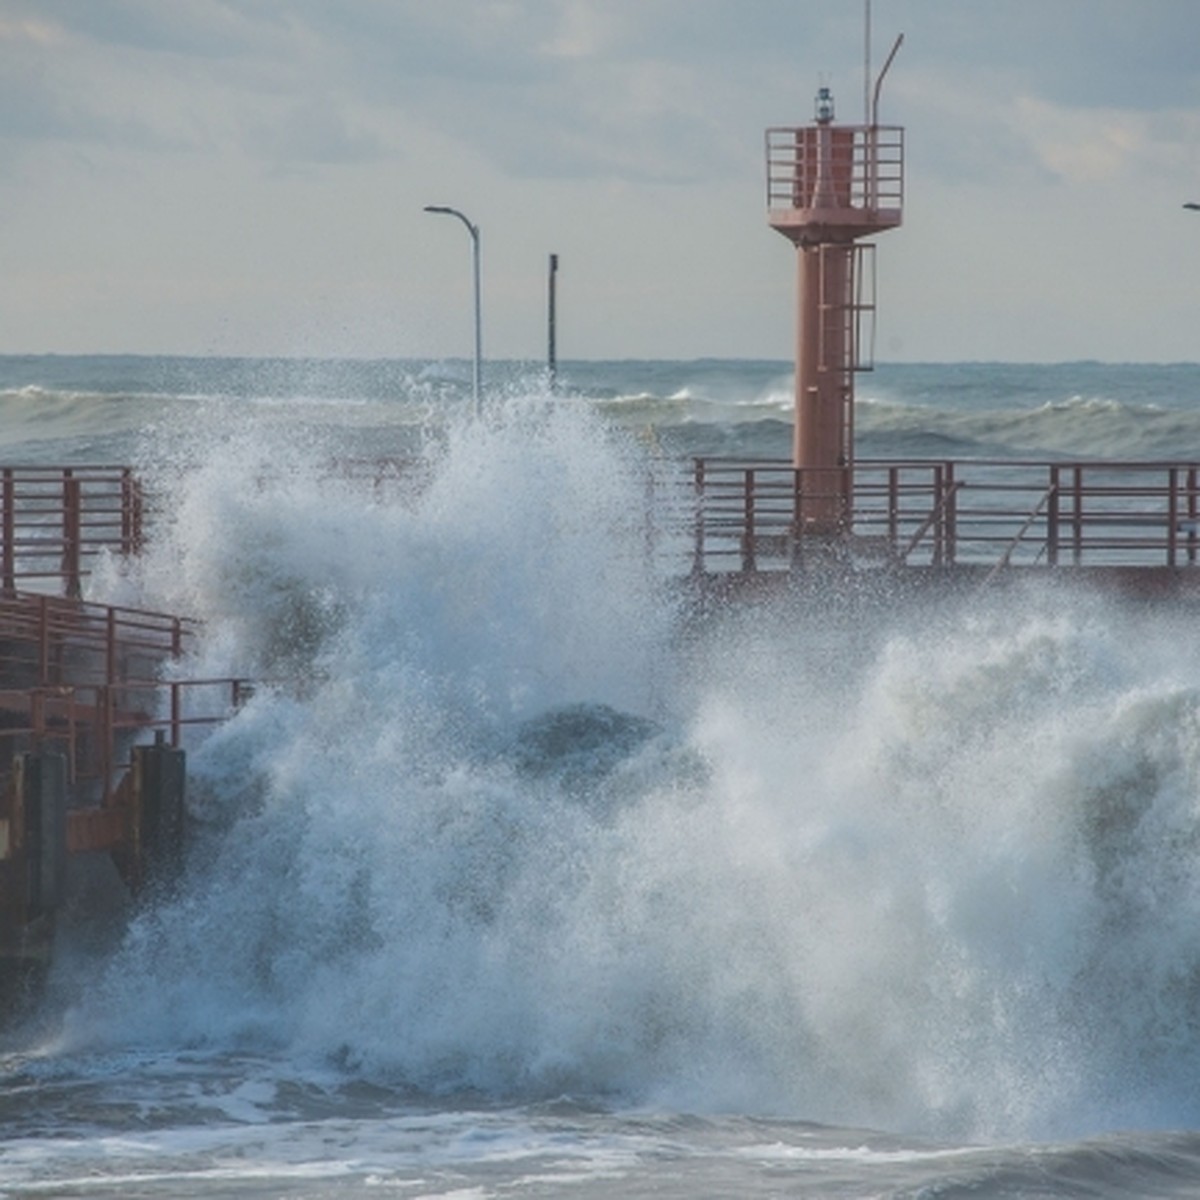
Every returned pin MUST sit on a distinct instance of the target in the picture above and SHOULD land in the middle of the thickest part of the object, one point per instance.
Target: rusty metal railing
(868, 159)
(48, 640)
(738, 515)
(94, 726)
(96, 729)
(745, 514)
(55, 520)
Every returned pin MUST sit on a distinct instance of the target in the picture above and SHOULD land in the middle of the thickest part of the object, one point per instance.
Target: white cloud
(28, 29)
(1081, 146)
(582, 30)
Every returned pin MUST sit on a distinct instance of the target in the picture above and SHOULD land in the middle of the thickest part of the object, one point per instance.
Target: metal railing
(748, 515)
(47, 640)
(97, 732)
(732, 515)
(95, 726)
(55, 520)
(867, 160)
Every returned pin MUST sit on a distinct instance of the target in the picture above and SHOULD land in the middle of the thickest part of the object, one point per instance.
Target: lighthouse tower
(828, 187)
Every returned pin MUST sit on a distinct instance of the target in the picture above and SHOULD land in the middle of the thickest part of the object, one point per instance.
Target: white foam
(934, 872)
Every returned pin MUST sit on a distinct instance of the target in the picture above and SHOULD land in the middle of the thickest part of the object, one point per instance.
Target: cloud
(35, 108)
(1081, 145)
(204, 28)
(30, 29)
(1076, 53)
(310, 131)
(627, 133)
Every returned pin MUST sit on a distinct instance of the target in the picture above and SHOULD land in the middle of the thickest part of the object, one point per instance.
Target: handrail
(98, 738)
(92, 722)
(39, 633)
(869, 157)
(54, 520)
(935, 515)
(1050, 493)
(1098, 512)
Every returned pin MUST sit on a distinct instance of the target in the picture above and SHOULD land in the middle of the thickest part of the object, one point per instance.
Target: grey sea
(506, 882)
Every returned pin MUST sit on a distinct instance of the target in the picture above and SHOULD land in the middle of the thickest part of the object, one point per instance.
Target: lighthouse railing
(868, 159)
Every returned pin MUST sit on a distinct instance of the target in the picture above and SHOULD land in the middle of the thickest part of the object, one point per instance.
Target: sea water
(510, 879)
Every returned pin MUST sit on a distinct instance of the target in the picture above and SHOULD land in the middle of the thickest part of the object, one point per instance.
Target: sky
(248, 177)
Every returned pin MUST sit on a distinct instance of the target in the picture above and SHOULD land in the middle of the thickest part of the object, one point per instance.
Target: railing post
(8, 568)
(749, 561)
(131, 513)
(698, 516)
(1052, 519)
(797, 526)
(1077, 517)
(939, 532)
(893, 505)
(1172, 514)
(1192, 516)
(71, 534)
(950, 493)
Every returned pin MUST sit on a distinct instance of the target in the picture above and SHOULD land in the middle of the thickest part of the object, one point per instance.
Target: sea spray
(925, 867)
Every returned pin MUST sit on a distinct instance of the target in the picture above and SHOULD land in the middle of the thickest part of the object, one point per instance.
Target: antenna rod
(879, 81)
(867, 63)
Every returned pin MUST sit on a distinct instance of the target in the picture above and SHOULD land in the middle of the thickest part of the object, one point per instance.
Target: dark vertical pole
(1052, 519)
(72, 534)
(551, 331)
(10, 532)
(1191, 512)
(1077, 515)
(749, 549)
(951, 494)
(698, 500)
(131, 513)
(44, 788)
(1172, 514)
(159, 784)
(939, 499)
(110, 647)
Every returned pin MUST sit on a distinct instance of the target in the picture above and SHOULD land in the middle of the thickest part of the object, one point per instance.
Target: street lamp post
(473, 230)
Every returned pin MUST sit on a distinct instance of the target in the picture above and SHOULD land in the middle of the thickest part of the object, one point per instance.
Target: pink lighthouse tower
(828, 187)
